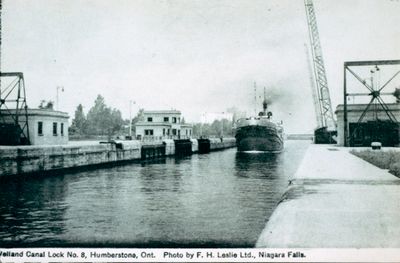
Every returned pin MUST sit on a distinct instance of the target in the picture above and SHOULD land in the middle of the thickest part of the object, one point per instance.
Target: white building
(163, 124)
(46, 126)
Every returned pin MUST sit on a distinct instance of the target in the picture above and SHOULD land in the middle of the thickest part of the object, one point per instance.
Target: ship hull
(259, 138)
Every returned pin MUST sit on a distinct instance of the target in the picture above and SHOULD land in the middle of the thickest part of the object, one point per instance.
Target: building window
(166, 119)
(40, 128)
(190, 132)
(173, 119)
(168, 131)
(163, 132)
(62, 129)
(173, 131)
(55, 128)
(148, 132)
(150, 119)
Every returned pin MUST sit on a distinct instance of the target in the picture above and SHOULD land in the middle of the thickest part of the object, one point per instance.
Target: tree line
(106, 121)
(219, 128)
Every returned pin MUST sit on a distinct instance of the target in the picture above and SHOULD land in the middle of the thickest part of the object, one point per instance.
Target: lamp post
(222, 124)
(202, 121)
(62, 90)
(130, 117)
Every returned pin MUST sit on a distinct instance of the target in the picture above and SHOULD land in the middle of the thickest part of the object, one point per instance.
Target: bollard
(376, 145)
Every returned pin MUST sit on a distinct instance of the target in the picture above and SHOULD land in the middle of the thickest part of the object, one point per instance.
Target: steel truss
(12, 107)
(374, 92)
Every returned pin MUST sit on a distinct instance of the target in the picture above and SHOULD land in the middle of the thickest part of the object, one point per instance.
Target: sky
(194, 56)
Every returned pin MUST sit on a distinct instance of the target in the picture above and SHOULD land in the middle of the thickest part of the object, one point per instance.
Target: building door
(357, 134)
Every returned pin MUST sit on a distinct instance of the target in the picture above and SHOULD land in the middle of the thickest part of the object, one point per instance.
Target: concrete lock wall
(169, 147)
(216, 144)
(16, 160)
(229, 142)
(221, 143)
(152, 149)
(183, 147)
(29, 159)
(204, 145)
(195, 145)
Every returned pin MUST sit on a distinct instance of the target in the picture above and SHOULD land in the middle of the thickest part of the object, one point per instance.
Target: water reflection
(221, 199)
(261, 164)
(32, 211)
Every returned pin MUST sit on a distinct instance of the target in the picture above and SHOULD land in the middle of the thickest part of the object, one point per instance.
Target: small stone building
(375, 126)
(163, 124)
(46, 126)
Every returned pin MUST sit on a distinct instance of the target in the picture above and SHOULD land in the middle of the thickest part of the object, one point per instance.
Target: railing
(150, 138)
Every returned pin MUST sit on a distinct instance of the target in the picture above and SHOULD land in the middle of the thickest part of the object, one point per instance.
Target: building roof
(362, 107)
(36, 112)
(166, 124)
(161, 112)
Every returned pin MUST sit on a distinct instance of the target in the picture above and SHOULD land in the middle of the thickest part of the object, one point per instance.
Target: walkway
(336, 200)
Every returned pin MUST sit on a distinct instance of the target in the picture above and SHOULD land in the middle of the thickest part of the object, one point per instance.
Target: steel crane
(326, 130)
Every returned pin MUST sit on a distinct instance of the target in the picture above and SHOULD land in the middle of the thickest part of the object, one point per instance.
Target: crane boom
(317, 105)
(321, 82)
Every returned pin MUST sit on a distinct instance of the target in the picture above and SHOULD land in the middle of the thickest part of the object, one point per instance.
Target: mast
(265, 104)
(255, 99)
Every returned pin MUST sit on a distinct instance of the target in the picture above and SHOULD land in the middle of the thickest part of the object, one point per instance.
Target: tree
(216, 129)
(397, 94)
(79, 123)
(227, 127)
(103, 120)
(97, 116)
(116, 122)
(49, 105)
(139, 117)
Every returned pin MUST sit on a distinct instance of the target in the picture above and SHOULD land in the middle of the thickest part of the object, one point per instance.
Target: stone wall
(221, 143)
(16, 160)
(29, 159)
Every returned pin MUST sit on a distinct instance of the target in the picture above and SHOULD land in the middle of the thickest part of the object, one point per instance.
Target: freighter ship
(259, 133)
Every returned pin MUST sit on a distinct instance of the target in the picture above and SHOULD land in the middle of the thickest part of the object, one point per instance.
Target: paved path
(336, 200)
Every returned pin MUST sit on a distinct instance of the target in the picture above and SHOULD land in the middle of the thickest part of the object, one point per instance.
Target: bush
(394, 168)
(383, 159)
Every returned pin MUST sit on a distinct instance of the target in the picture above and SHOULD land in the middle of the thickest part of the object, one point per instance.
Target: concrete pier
(17, 160)
(336, 200)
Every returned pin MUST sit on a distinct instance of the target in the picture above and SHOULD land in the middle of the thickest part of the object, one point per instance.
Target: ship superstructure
(259, 133)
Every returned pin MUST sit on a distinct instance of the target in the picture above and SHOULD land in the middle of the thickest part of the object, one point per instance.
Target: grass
(383, 159)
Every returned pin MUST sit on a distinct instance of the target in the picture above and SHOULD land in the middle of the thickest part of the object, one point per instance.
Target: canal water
(220, 199)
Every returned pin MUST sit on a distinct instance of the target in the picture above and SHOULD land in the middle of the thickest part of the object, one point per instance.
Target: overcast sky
(194, 56)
